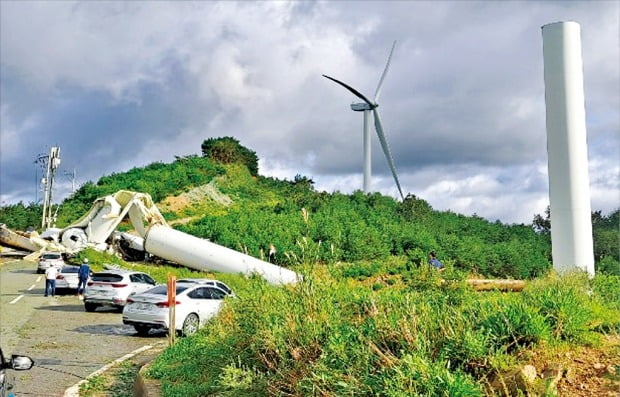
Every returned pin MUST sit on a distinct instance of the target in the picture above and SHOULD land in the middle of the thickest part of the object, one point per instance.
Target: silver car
(48, 259)
(113, 287)
(68, 278)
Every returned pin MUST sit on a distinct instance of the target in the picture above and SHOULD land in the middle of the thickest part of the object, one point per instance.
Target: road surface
(65, 342)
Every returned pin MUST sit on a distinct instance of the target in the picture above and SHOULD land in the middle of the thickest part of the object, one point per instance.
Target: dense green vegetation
(367, 329)
(405, 334)
(266, 214)
(370, 317)
(21, 216)
(358, 227)
(228, 150)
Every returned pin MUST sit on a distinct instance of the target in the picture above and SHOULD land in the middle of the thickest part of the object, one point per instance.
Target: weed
(330, 335)
(117, 381)
(94, 385)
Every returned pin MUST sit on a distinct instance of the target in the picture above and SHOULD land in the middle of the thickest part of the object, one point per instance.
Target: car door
(203, 302)
(213, 301)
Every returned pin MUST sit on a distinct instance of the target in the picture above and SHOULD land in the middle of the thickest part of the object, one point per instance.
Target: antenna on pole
(51, 161)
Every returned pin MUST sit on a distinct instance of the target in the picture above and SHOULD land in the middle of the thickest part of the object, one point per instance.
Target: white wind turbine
(367, 106)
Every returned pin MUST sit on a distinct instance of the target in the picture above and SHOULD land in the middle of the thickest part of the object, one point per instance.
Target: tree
(228, 150)
(542, 225)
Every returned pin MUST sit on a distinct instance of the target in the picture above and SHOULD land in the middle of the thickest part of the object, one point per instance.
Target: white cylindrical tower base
(367, 153)
(201, 254)
(569, 188)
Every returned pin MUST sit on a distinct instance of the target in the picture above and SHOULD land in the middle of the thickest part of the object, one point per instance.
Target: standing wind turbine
(367, 106)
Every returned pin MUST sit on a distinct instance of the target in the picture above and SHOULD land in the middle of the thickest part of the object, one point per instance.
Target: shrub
(361, 270)
(511, 324)
(415, 375)
(608, 265)
(228, 150)
(565, 304)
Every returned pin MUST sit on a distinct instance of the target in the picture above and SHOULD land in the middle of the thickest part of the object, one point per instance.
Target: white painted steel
(367, 153)
(201, 254)
(569, 188)
(74, 239)
(387, 66)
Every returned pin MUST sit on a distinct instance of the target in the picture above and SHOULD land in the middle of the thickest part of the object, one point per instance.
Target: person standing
(433, 261)
(83, 275)
(50, 280)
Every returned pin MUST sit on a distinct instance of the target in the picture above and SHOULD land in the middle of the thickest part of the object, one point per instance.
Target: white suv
(49, 259)
(112, 287)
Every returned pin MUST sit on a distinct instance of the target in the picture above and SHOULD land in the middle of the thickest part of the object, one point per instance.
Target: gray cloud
(119, 85)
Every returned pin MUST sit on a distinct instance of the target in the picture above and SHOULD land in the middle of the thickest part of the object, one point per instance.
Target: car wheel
(142, 329)
(90, 307)
(190, 325)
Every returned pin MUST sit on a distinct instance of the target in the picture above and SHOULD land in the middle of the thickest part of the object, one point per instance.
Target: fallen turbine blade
(386, 150)
(353, 90)
(387, 66)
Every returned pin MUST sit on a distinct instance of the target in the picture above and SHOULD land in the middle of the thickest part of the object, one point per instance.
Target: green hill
(370, 316)
(260, 213)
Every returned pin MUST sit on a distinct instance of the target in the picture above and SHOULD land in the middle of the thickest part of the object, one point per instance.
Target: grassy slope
(369, 318)
(394, 335)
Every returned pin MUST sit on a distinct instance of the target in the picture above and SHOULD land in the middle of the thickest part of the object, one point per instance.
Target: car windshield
(51, 256)
(163, 289)
(70, 269)
(107, 277)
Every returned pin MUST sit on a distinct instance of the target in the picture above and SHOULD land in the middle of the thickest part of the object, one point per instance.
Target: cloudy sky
(122, 84)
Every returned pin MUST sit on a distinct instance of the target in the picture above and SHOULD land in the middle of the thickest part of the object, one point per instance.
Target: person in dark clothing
(83, 275)
(433, 261)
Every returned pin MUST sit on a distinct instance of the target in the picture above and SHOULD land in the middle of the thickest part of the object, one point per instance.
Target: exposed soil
(584, 371)
(197, 194)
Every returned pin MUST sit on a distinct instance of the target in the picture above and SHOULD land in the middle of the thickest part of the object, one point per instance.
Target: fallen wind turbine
(367, 106)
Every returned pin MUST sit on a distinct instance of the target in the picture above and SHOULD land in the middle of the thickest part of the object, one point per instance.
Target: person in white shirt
(50, 280)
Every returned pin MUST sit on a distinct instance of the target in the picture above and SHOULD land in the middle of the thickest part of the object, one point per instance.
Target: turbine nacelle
(360, 107)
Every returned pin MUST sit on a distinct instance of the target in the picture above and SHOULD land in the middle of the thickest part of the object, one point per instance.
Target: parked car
(196, 302)
(68, 278)
(112, 287)
(17, 363)
(48, 259)
(207, 281)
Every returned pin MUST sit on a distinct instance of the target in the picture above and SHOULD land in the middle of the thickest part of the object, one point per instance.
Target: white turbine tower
(367, 106)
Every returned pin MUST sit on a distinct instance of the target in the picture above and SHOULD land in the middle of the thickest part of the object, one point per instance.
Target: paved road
(66, 343)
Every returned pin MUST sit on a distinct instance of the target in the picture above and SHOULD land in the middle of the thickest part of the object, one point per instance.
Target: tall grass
(338, 336)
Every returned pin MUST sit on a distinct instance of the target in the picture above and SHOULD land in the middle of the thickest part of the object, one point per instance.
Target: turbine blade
(353, 90)
(387, 66)
(386, 150)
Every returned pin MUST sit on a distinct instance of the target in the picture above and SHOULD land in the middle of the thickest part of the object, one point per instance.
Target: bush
(415, 375)
(608, 265)
(228, 150)
(511, 323)
(565, 304)
(339, 337)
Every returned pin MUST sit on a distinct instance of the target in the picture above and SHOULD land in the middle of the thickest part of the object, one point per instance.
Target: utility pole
(71, 176)
(52, 161)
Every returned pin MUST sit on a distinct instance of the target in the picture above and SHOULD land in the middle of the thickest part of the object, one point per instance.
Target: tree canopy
(228, 150)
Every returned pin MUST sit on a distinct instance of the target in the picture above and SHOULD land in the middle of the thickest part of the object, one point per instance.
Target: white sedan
(197, 301)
